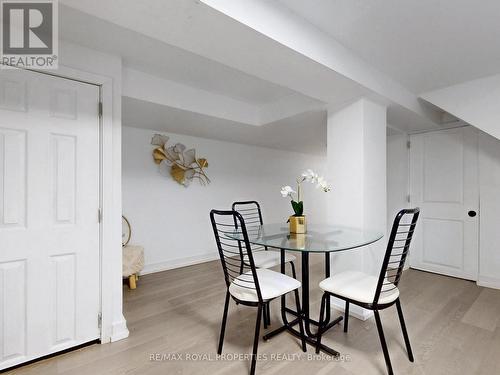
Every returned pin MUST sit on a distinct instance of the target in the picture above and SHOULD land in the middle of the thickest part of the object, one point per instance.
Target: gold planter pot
(298, 224)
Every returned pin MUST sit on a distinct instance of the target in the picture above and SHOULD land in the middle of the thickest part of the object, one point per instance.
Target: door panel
(443, 234)
(63, 172)
(13, 305)
(49, 230)
(444, 184)
(443, 167)
(63, 273)
(13, 173)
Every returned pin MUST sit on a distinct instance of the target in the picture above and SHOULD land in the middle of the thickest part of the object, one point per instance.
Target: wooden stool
(133, 263)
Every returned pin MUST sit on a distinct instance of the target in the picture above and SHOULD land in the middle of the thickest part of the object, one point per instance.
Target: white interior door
(444, 184)
(49, 200)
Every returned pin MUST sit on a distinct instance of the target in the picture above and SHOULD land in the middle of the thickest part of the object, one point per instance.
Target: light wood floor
(454, 328)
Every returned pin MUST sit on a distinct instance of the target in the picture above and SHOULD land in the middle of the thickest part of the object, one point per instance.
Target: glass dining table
(324, 239)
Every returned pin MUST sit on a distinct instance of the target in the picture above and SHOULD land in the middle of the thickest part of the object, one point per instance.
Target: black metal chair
(263, 258)
(246, 284)
(375, 293)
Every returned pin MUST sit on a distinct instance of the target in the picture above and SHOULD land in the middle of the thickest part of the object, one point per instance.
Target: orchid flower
(287, 191)
(310, 176)
(323, 184)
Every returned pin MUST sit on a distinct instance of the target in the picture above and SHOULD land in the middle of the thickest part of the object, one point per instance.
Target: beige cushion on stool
(133, 260)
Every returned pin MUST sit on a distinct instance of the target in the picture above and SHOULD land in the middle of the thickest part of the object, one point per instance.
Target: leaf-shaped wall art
(159, 140)
(189, 157)
(183, 165)
(159, 155)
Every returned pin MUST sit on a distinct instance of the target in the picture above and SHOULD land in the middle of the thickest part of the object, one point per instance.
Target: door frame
(110, 247)
(411, 193)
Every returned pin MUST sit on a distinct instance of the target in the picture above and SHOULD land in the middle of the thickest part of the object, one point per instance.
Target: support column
(357, 171)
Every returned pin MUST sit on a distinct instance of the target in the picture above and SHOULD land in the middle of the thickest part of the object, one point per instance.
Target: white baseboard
(355, 311)
(178, 263)
(489, 282)
(119, 330)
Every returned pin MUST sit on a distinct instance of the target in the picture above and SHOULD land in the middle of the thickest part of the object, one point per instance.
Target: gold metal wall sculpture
(180, 163)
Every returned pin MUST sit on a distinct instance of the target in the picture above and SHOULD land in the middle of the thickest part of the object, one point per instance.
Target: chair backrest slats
(250, 211)
(252, 215)
(235, 254)
(398, 247)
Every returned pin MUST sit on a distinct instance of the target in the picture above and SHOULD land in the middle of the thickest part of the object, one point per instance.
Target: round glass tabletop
(319, 238)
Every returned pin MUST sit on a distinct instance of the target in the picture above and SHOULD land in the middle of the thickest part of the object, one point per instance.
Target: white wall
(489, 191)
(172, 222)
(397, 176)
(357, 166)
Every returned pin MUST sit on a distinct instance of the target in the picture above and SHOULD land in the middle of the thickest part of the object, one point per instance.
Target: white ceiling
(237, 62)
(193, 26)
(304, 133)
(205, 74)
(423, 44)
(155, 57)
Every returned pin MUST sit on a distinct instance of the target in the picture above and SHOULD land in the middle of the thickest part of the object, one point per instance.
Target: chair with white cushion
(246, 284)
(263, 258)
(376, 293)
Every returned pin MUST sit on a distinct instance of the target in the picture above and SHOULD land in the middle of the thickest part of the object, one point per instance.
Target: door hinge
(408, 144)
(99, 108)
(99, 320)
(99, 215)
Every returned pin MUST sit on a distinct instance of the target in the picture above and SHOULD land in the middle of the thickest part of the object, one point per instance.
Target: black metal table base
(310, 337)
(309, 340)
(277, 331)
(315, 322)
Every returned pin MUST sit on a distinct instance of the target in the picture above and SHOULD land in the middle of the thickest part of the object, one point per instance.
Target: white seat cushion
(269, 258)
(272, 284)
(358, 286)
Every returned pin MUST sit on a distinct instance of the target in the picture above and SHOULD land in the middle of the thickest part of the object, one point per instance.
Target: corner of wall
(119, 330)
(489, 282)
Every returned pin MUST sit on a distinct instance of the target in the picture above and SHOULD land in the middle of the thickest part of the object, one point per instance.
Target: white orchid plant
(307, 176)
